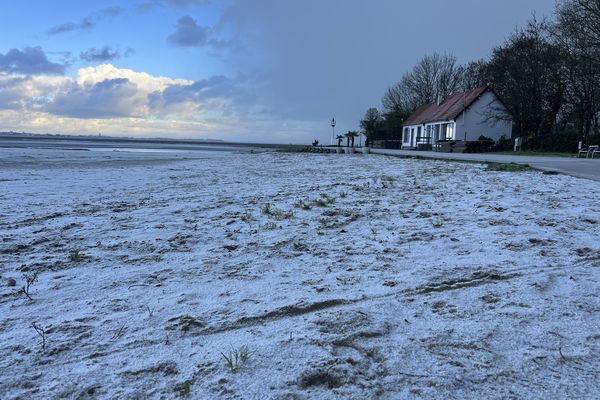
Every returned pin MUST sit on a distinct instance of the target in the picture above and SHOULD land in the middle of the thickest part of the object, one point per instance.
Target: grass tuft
(277, 213)
(324, 201)
(237, 358)
(512, 167)
(75, 255)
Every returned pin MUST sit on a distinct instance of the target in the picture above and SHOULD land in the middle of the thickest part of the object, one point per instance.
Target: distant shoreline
(83, 142)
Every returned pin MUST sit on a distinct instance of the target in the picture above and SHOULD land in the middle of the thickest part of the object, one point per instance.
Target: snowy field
(328, 276)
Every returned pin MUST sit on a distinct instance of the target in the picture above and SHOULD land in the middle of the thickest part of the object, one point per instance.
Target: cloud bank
(104, 97)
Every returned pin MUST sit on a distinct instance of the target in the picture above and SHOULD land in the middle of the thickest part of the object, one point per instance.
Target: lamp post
(332, 130)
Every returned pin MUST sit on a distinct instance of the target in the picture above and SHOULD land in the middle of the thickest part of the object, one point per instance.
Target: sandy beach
(294, 276)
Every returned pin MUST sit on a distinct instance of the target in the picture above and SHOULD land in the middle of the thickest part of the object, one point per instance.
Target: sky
(271, 71)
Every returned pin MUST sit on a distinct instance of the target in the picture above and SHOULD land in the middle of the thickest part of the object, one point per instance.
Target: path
(579, 167)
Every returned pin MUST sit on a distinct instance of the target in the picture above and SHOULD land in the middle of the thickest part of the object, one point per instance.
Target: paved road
(579, 167)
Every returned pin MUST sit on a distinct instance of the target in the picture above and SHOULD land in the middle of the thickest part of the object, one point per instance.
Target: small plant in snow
(119, 332)
(277, 213)
(324, 201)
(343, 195)
(29, 280)
(237, 358)
(267, 209)
(42, 332)
(185, 388)
(75, 255)
(269, 226)
(187, 322)
(247, 217)
(150, 311)
(437, 224)
(302, 205)
(281, 215)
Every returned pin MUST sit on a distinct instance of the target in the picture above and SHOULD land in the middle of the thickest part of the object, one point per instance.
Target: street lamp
(332, 130)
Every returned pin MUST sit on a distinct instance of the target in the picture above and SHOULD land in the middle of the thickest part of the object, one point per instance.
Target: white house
(461, 117)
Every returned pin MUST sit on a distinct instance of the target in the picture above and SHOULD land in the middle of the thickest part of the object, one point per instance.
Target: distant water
(116, 145)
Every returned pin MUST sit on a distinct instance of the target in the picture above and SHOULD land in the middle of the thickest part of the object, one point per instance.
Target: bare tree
(434, 77)
(580, 20)
(475, 75)
(399, 97)
(577, 30)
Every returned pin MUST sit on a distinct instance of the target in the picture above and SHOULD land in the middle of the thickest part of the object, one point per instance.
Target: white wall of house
(409, 136)
(414, 134)
(475, 122)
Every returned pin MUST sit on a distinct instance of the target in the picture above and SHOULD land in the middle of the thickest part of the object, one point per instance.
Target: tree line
(546, 73)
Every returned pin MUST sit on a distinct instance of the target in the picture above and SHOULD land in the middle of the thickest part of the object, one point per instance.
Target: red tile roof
(447, 110)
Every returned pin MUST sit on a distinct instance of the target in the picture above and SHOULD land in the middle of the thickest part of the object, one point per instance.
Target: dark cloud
(99, 55)
(317, 58)
(231, 95)
(187, 3)
(216, 86)
(66, 27)
(107, 99)
(30, 61)
(88, 22)
(112, 11)
(189, 34)
(151, 5)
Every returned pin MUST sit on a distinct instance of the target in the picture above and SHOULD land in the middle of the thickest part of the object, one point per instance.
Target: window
(406, 138)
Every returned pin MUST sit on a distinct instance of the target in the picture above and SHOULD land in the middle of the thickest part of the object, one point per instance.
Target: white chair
(590, 151)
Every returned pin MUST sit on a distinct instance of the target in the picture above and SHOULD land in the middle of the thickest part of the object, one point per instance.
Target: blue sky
(260, 70)
(143, 31)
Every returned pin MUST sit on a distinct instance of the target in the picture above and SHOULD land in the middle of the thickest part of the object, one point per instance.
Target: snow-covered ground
(340, 277)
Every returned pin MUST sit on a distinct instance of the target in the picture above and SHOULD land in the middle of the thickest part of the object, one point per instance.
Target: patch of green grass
(512, 167)
(185, 388)
(324, 200)
(186, 322)
(277, 213)
(75, 255)
(237, 358)
(537, 153)
(301, 204)
(267, 209)
(269, 226)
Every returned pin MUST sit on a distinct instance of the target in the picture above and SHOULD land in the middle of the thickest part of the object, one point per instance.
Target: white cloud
(114, 100)
(144, 81)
